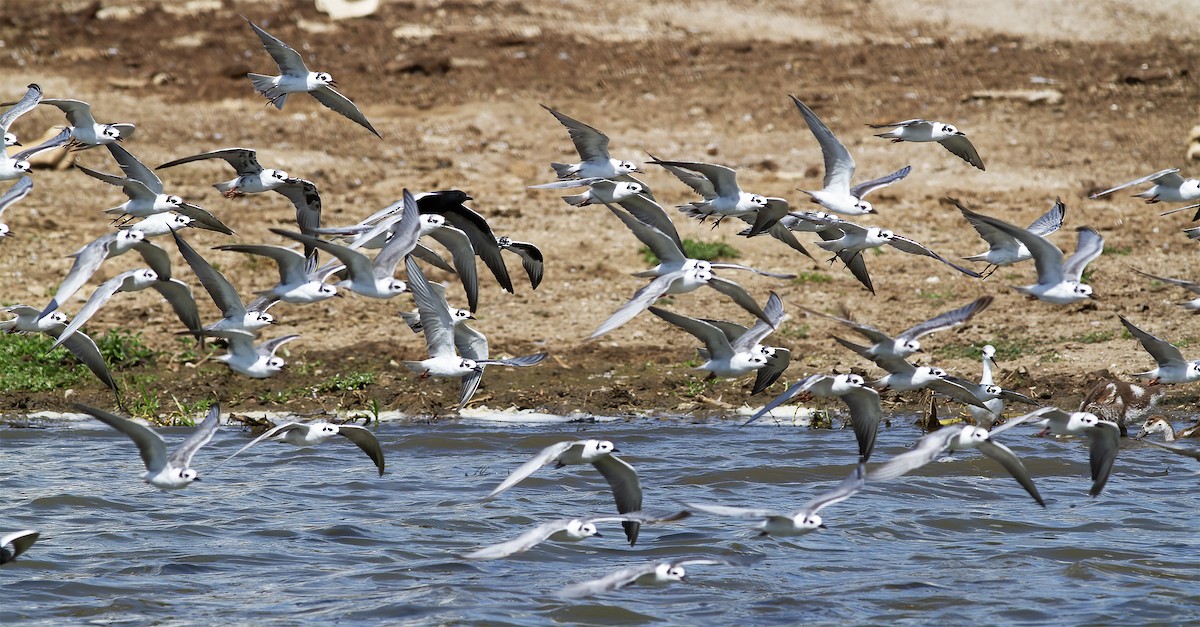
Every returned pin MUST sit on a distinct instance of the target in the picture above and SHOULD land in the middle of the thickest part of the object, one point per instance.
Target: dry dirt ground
(454, 88)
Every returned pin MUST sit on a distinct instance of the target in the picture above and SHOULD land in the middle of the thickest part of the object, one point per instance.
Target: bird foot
(233, 193)
(424, 375)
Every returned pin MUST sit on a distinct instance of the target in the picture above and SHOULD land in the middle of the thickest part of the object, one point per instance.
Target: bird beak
(1140, 435)
(961, 133)
(616, 450)
(339, 295)
(18, 144)
(334, 83)
(472, 317)
(1093, 296)
(822, 526)
(272, 322)
(637, 169)
(196, 479)
(597, 535)
(872, 210)
(468, 198)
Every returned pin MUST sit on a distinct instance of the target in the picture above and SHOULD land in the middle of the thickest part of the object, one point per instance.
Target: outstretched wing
(333, 99)
(289, 61)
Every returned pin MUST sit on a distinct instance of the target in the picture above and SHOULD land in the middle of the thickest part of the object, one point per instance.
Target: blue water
(307, 535)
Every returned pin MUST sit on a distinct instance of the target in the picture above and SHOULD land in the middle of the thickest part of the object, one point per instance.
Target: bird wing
(698, 182)
(891, 363)
(722, 180)
(612, 581)
(663, 246)
(739, 295)
(333, 99)
(365, 440)
(182, 455)
(642, 299)
(19, 190)
(203, 219)
(1187, 285)
(289, 61)
(1012, 464)
(79, 113)
(215, 283)
(768, 374)
(476, 228)
(804, 385)
(855, 261)
(839, 165)
(436, 320)
(463, 255)
(956, 391)
(1144, 179)
(591, 144)
(996, 238)
(307, 201)
(95, 302)
(871, 333)
(963, 149)
(926, 450)
(243, 160)
(1046, 256)
(1051, 221)
(1105, 440)
(20, 541)
(155, 257)
(521, 543)
(844, 490)
(277, 429)
(357, 263)
(733, 512)
(291, 263)
(544, 456)
(906, 123)
(737, 266)
(627, 490)
(150, 445)
(1090, 245)
(472, 345)
(862, 189)
(650, 212)
(132, 188)
(85, 350)
(135, 169)
(713, 338)
(87, 261)
(947, 320)
(865, 414)
(33, 95)
(761, 329)
(517, 362)
(1163, 352)
(1178, 450)
(269, 347)
(913, 247)
(179, 296)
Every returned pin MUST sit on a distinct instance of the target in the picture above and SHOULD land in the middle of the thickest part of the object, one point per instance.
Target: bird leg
(233, 192)
(987, 272)
(424, 375)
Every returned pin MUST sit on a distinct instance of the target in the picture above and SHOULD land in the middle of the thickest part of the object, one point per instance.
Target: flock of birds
(456, 350)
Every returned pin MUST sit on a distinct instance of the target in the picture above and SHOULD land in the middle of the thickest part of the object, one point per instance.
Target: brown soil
(454, 88)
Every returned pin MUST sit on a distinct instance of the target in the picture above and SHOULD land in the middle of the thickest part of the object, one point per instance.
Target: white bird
(992, 408)
(1191, 286)
(908, 341)
(862, 401)
(1104, 438)
(314, 433)
(33, 95)
(656, 573)
(592, 146)
(1172, 368)
(837, 195)
(161, 224)
(12, 545)
(18, 166)
(19, 190)
(722, 197)
(955, 438)
(532, 260)
(450, 204)
(847, 241)
(258, 362)
(565, 530)
(904, 377)
(373, 278)
(252, 178)
(455, 350)
(750, 340)
(30, 320)
(107, 246)
(1004, 249)
(600, 190)
(1168, 186)
(176, 293)
(84, 131)
(296, 78)
(1059, 282)
(805, 520)
(145, 192)
(621, 477)
(234, 313)
(949, 137)
(721, 360)
(164, 471)
(299, 280)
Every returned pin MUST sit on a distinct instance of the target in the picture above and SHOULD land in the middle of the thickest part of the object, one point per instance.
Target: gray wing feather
(307, 200)
(612, 581)
(365, 440)
(333, 99)
(79, 113)
(521, 543)
(155, 257)
(738, 266)
(33, 95)
(739, 295)
(291, 263)
(463, 255)
(1187, 285)
(286, 57)
(1144, 179)
(215, 283)
(698, 182)
(1163, 352)
(865, 415)
(651, 213)
(963, 149)
(242, 160)
(660, 243)
(1051, 221)
(182, 455)
(627, 490)
(768, 374)
(914, 247)
(277, 429)
(734, 512)
(545, 456)
(94, 303)
(436, 320)
(1046, 256)
(1090, 245)
(862, 189)
(179, 296)
(1012, 464)
(357, 263)
(87, 260)
(589, 143)
(85, 350)
(1105, 440)
(713, 338)
(642, 299)
(839, 165)
(948, 319)
(203, 219)
(135, 169)
(19, 190)
(531, 260)
(131, 187)
(926, 450)
(844, 490)
(150, 445)
(722, 180)
(1178, 450)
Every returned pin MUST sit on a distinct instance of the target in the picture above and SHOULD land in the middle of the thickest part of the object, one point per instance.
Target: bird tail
(263, 85)
(414, 366)
(578, 200)
(226, 186)
(563, 170)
